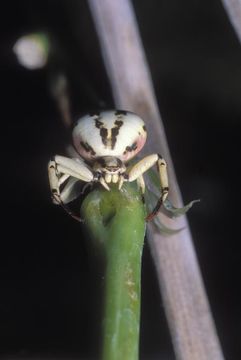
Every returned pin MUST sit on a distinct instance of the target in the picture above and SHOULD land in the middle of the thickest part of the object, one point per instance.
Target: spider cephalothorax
(109, 169)
(105, 141)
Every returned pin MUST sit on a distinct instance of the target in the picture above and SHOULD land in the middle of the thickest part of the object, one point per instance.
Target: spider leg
(162, 169)
(60, 169)
(142, 186)
(141, 167)
(73, 167)
(71, 190)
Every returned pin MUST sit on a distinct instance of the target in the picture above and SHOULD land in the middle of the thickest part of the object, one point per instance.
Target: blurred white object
(32, 51)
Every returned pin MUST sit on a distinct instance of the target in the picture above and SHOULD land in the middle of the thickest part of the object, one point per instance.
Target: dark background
(47, 293)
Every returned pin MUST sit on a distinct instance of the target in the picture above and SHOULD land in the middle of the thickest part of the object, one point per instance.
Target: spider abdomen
(113, 133)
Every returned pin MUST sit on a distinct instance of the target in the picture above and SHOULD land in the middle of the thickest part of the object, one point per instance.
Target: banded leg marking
(141, 167)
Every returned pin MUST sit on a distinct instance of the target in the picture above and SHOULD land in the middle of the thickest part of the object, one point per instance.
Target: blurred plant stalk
(233, 9)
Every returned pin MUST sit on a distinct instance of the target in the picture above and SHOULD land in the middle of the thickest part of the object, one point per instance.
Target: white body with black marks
(105, 141)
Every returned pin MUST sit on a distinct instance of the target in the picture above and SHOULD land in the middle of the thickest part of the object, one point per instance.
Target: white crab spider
(104, 142)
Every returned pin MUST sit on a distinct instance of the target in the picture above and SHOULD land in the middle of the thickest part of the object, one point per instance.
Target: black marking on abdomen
(121, 112)
(103, 131)
(104, 134)
(99, 124)
(115, 132)
(87, 148)
(131, 148)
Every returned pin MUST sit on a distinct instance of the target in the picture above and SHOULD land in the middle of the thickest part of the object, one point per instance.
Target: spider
(105, 141)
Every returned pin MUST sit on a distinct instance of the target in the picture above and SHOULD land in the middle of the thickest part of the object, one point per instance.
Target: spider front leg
(60, 169)
(141, 167)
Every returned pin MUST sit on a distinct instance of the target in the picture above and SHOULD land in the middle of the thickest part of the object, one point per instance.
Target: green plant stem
(115, 220)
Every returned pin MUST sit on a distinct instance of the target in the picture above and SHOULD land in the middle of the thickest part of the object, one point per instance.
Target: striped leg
(141, 167)
(60, 169)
